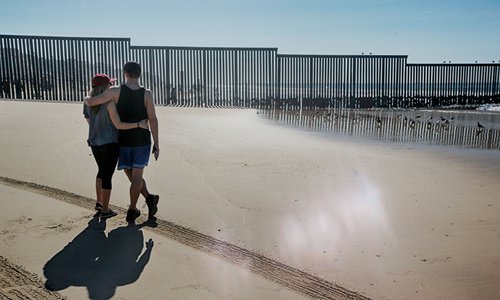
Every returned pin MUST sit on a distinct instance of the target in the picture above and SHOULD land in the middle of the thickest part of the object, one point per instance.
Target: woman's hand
(144, 124)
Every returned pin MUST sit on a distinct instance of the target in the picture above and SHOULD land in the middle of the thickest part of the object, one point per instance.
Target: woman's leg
(98, 190)
(110, 158)
(106, 195)
(96, 151)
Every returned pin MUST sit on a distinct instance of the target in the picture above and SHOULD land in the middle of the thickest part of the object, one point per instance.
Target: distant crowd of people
(6, 88)
(24, 89)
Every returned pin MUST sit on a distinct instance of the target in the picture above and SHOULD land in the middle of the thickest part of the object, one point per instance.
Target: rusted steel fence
(347, 80)
(447, 84)
(60, 68)
(57, 68)
(192, 76)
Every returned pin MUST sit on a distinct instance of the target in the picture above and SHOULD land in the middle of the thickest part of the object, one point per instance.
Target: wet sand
(385, 220)
(459, 129)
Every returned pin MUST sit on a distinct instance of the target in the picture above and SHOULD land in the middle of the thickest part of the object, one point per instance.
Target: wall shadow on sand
(98, 262)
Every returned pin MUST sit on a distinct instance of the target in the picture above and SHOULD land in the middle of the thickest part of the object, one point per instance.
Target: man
(134, 103)
(6, 88)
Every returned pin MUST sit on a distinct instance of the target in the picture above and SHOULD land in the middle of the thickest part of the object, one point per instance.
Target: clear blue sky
(426, 30)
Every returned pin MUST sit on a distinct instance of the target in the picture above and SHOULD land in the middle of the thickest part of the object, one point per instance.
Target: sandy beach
(249, 209)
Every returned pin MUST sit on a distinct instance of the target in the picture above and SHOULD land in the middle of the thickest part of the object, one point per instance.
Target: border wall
(61, 68)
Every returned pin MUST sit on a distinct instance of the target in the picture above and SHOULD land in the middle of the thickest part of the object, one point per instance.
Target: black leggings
(106, 157)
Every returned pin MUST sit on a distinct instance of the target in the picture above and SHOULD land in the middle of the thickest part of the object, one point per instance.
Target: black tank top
(132, 109)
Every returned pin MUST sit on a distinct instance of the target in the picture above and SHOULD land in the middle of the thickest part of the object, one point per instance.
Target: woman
(104, 123)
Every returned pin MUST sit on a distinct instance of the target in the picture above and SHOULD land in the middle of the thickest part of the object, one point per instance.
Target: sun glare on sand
(334, 215)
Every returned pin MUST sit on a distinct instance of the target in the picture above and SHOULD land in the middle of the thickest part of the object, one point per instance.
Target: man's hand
(156, 151)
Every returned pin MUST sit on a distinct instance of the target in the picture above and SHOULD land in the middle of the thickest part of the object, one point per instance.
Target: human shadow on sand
(97, 262)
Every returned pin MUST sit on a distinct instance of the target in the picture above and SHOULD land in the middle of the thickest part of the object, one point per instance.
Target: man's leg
(135, 187)
(144, 189)
(151, 200)
(139, 156)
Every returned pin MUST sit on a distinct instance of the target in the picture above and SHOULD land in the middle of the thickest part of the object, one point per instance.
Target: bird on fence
(479, 129)
(429, 125)
(326, 117)
(418, 117)
(445, 125)
(379, 122)
(411, 123)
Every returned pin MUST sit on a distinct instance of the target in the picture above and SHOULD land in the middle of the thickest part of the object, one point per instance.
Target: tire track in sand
(290, 277)
(17, 283)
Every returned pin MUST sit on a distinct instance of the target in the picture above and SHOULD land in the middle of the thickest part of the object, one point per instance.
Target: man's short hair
(133, 69)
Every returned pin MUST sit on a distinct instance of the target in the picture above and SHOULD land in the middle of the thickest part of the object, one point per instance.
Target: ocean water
(489, 107)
